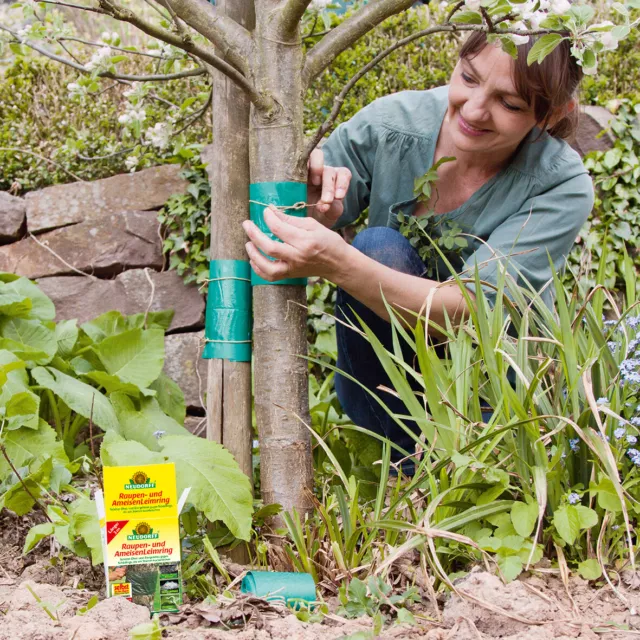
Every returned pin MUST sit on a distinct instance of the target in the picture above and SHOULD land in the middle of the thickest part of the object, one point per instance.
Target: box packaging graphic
(141, 535)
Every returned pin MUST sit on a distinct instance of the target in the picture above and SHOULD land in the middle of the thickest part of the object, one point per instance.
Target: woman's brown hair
(546, 87)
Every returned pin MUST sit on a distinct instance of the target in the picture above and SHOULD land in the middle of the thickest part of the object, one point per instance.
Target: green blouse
(530, 211)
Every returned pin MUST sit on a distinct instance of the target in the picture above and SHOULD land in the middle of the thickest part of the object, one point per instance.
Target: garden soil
(535, 607)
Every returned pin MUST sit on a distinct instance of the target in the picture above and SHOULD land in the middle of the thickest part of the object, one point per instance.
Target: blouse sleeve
(353, 145)
(545, 226)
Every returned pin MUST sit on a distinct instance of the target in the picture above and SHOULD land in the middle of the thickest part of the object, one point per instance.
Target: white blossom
(518, 39)
(159, 135)
(559, 6)
(74, 89)
(473, 5)
(320, 4)
(24, 32)
(132, 115)
(98, 59)
(131, 163)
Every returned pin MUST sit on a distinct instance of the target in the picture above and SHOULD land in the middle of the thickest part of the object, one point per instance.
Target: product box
(141, 535)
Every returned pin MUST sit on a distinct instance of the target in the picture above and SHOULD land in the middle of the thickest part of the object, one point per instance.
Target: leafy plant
(611, 228)
(62, 387)
(372, 598)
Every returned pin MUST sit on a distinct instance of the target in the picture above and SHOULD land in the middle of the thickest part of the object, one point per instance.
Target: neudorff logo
(142, 532)
(140, 480)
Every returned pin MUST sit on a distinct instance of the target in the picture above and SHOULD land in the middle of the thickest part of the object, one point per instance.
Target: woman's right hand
(326, 188)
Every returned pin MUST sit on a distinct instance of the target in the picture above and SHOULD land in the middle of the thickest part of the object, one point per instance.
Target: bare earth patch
(535, 607)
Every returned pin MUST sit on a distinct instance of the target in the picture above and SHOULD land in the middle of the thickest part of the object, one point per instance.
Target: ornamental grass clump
(554, 471)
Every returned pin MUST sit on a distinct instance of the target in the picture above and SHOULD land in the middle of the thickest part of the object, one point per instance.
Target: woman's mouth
(468, 129)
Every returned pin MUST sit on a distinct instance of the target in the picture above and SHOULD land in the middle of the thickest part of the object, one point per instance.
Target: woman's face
(485, 113)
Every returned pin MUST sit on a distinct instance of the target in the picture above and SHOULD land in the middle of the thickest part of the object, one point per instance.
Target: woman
(515, 186)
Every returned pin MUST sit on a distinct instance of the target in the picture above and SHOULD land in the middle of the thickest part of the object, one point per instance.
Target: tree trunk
(280, 312)
(227, 158)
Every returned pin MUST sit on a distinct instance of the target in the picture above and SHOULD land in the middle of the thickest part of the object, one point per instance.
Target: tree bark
(280, 315)
(229, 383)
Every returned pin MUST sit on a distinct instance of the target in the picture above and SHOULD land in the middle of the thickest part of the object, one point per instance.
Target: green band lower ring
(281, 194)
(228, 319)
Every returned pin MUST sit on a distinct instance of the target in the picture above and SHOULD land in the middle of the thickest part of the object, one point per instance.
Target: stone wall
(97, 246)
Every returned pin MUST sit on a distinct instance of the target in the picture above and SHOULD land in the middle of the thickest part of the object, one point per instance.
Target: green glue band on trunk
(227, 330)
(282, 195)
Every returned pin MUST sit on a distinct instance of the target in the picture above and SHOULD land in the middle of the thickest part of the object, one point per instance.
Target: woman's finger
(316, 165)
(264, 267)
(270, 247)
(328, 184)
(343, 179)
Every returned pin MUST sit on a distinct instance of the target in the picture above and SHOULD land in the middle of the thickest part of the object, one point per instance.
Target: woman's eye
(466, 77)
(510, 107)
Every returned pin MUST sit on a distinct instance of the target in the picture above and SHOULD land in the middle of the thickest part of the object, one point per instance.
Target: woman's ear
(562, 112)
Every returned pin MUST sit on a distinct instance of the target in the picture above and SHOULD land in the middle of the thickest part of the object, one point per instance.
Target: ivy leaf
(134, 356)
(78, 396)
(612, 158)
(218, 486)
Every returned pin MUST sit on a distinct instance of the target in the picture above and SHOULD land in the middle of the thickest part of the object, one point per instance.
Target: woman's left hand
(307, 249)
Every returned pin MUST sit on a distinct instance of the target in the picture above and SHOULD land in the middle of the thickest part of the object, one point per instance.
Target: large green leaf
(113, 384)
(218, 486)
(24, 445)
(105, 325)
(36, 534)
(41, 305)
(13, 304)
(66, 335)
(29, 340)
(146, 425)
(170, 397)
(21, 406)
(115, 451)
(78, 396)
(135, 356)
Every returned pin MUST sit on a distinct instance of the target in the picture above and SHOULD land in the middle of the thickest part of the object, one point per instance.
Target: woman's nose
(476, 108)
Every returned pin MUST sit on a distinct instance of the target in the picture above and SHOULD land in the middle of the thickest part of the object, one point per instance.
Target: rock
(169, 292)
(184, 365)
(102, 247)
(12, 216)
(85, 298)
(592, 121)
(81, 297)
(196, 425)
(67, 204)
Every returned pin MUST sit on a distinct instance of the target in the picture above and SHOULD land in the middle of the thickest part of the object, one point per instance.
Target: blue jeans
(357, 357)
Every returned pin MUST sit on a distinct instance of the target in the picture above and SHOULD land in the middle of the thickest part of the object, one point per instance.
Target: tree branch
(231, 40)
(72, 6)
(98, 44)
(346, 34)
(446, 28)
(106, 74)
(206, 54)
(290, 17)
